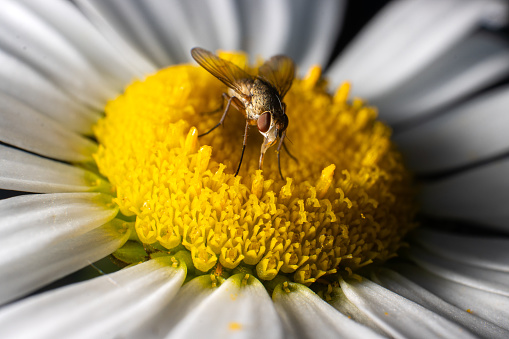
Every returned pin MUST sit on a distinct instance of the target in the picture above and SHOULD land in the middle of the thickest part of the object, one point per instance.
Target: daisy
(208, 253)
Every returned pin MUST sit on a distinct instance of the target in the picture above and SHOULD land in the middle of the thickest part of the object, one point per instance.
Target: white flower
(419, 61)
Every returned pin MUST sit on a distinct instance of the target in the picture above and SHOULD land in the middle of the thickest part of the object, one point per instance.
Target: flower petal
(25, 84)
(109, 306)
(226, 22)
(72, 24)
(132, 21)
(266, 26)
(25, 35)
(166, 31)
(163, 31)
(406, 288)
(306, 315)
(473, 132)
(51, 139)
(398, 316)
(190, 23)
(478, 195)
(32, 271)
(233, 310)
(489, 306)
(486, 279)
(34, 222)
(472, 64)
(22, 171)
(341, 303)
(120, 43)
(315, 28)
(406, 37)
(188, 298)
(472, 250)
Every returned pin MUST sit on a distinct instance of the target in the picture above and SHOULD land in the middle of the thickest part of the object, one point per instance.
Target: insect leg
(243, 147)
(223, 117)
(290, 154)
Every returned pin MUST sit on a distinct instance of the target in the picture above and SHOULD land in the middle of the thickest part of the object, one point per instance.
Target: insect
(259, 98)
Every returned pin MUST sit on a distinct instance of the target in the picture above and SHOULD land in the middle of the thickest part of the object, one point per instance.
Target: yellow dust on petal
(234, 326)
(346, 203)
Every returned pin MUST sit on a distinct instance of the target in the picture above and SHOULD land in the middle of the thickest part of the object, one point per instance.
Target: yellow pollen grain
(234, 326)
(285, 287)
(345, 203)
(213, 280)
(175, 262)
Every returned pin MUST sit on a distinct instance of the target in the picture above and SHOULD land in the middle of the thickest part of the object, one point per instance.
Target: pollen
(234, 326)
(346, 201)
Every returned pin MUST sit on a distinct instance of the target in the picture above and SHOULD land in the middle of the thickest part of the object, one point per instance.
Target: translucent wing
(279, 71)
(230, 74)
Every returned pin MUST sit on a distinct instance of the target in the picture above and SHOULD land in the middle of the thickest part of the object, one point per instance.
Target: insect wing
(279, 71)
(230, 74)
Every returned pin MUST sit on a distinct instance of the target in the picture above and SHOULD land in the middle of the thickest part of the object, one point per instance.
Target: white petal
(306, 315)
(188, 298)
(107, 28)
(165, 31)
(404, 38)
(477, 61)
(478, 195)
(234, 310)
(341, 303)
(481, 278)
(484, 252)
(196, 19)
(398, 316)
(315, 27)
(28, 37)
(132, 21)
(21, 171)
(130, 26)
(473, 132)
(489, 306)
(178, 27)
(32, 271)
(104, 307)
(23, 127)
(406, 288)
(71, 23)
(31, 223)
(24, 83)
(226, 22)
(266, 26)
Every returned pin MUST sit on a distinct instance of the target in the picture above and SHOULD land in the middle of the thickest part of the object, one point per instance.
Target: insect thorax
(265, 98)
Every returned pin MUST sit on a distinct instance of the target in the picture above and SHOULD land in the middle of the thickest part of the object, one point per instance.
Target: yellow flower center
(347, 202)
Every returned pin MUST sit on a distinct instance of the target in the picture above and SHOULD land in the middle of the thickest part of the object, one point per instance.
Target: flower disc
(346, 200)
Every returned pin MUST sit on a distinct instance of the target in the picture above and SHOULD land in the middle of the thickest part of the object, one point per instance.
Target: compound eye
(264, 122)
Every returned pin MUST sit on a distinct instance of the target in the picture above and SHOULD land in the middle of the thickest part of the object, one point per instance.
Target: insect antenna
(290, 154)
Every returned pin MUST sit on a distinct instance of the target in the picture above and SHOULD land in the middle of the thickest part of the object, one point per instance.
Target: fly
(259, 98)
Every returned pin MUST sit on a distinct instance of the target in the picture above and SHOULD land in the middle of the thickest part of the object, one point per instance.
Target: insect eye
(264, 122)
